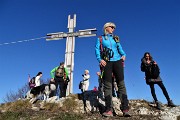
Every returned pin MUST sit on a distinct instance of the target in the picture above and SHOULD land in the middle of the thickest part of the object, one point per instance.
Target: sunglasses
(112, 27)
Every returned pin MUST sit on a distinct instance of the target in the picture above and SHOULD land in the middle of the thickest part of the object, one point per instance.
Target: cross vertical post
(69, 55)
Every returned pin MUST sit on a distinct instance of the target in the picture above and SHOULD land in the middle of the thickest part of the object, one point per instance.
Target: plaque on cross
(70, 45)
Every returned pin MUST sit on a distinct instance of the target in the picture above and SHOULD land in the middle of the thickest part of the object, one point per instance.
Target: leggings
(161, 85)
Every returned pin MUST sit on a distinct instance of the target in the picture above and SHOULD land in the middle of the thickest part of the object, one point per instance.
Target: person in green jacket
(60, 77)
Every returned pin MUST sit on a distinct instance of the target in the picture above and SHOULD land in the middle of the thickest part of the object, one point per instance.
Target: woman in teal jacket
(111, 57)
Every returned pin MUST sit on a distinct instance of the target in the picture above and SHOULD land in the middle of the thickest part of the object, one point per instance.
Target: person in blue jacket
(111, 57)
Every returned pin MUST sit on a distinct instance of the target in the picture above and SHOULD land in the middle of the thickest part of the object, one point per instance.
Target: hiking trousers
(115, 67)
(85, 85)
(62, 85)
(100, 88)
(161, 85)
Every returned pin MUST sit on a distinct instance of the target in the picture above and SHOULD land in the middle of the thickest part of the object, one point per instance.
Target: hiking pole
(107, 55)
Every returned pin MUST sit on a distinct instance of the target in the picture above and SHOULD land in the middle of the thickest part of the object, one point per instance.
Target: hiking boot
(108, 113)
(158, 105)
(126, 113)
(171, 104)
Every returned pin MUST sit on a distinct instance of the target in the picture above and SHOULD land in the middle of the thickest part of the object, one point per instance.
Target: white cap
(87, 71)
(109, 24)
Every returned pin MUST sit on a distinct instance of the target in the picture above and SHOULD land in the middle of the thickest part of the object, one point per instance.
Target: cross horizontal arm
(80, 33)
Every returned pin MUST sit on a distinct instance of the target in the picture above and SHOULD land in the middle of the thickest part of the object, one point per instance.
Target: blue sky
(143, 25)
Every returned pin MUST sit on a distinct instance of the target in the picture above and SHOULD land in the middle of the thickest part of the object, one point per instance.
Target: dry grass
(74, 96)
(69, 105)
(19, 105)
(53, 107)
(21, 110)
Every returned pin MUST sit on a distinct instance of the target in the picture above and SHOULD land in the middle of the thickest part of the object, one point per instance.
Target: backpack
(32, 82)
(106, 53)
(155, 71)
(60, 72)
(80, 85)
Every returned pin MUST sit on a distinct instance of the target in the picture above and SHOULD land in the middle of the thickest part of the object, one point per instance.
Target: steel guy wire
(20, 41)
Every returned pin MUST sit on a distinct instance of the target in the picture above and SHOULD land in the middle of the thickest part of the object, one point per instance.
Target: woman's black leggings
(161, 85)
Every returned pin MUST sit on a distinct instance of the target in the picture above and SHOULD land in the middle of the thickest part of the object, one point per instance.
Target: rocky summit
(84, 107)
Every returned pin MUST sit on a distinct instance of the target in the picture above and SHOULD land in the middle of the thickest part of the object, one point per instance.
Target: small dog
(44, 89)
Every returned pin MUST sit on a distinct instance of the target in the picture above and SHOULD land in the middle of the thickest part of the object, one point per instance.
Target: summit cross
(70, 45)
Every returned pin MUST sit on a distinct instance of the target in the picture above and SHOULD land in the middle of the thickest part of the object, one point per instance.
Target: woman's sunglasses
(112, 27)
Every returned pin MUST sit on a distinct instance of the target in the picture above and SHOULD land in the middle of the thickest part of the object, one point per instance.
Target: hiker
(84, 85)
(60, 77)
(94, 100)
(95, 89)
(85, 81)
(37, 79)
(34, 81)
(110, 56)
(95, 92)
(152, 78)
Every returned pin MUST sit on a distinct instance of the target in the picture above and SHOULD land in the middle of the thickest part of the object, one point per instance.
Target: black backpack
(60, 72)
(155, 71)
(80, 85)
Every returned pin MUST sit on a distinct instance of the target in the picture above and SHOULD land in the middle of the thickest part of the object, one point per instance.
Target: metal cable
(20, 41)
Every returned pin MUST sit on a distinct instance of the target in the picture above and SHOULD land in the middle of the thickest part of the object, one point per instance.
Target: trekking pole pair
(107, 54)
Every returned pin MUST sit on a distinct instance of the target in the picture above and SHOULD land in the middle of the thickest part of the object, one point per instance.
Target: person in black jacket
(152, 71)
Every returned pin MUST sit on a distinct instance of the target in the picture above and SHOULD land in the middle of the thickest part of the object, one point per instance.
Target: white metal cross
(70, 45)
